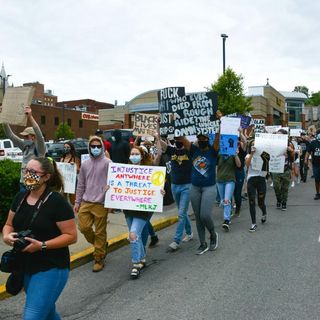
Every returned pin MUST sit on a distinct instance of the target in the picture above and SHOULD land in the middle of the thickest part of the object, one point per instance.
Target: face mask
(66, 150)
(203, 144)
(135, 159)
(95, 151)
(28, 142)
(31, 181)
(179, 144)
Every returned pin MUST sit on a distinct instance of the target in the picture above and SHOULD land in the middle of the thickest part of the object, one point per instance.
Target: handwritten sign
(187, 115)
(145, 124)
(274, 144)
(276, 164)
(135, 187)
(14, 101)
(259, 125)
(69, 174)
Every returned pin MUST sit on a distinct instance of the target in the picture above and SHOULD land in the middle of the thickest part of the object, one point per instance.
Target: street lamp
(4, 79)
(224, 37)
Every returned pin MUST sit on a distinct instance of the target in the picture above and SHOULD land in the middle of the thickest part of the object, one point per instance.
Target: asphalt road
(270, 274)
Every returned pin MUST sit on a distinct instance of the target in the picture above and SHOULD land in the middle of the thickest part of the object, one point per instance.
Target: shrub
(9, 185)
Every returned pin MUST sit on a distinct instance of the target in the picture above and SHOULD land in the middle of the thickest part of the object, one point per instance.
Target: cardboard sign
(69, 174)
(14, 101)
(188, 115)
(134, 187)
(145, 124)
(259, 125)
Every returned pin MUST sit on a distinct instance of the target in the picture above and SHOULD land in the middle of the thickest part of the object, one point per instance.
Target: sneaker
(317, 196)
(299, 180)
(253, 228)
(225, 225)
(278, 205)
(154, 241)
(271, 185)
(98, 266)
(188, 237)
(173, 246)
(284, 206)
(203, 248)
(264, 219)
(292, 184)
(135, 271)
(214, 241)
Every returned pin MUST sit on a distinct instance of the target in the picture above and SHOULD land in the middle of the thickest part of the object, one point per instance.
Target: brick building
(42, 97)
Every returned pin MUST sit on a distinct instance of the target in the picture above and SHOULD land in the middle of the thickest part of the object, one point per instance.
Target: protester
(226, 178)
(314, 151)
(89, 202)
(120, 149)
(281, 181)
(295, 171)
(46, 258)
(32, 144)
(181, 166)
(303, 142)
(70, 156)
(256, 186)
(202, 192)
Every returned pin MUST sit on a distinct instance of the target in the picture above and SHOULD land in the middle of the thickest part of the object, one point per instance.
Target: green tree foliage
(2, 134)
(231, 98)
(64, 132)
(9, 182)
(314, 100)
(302, 89)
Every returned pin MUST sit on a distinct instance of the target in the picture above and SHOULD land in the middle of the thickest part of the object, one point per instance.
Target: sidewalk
(117, 230)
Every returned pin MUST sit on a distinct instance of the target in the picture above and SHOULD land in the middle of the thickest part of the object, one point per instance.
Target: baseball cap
(27, 131)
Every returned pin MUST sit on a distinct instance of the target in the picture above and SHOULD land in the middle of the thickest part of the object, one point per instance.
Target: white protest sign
(14, 101)
(259, 125)
(135, 187)
(274, 144)
(276, 164)
(230, 126)
(69, 174)
(272, 129)
(295, 132)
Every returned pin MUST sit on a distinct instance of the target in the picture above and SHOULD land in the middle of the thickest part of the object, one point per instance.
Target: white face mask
(135, 158)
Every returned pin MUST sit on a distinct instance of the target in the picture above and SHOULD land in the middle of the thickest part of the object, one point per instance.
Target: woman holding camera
(41, 225)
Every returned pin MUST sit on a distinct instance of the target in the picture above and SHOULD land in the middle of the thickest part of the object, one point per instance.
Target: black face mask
(179, 144)
(203, 144)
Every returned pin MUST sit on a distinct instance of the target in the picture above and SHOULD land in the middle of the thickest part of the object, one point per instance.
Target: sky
(110, 50)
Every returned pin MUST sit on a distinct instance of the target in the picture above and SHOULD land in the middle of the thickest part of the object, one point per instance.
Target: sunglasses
(95, 146)
(31, 171)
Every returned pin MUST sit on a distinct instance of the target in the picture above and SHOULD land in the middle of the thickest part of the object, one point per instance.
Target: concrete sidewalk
(117, 230)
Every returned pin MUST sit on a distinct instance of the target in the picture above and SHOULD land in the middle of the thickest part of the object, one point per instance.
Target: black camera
(22, 243)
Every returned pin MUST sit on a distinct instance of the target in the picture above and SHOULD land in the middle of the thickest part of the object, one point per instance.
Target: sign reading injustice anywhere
(145, 124)
(187, 115)
(14, 101)
(134, 187)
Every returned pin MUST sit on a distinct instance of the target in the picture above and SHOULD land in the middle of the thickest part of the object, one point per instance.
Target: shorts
(316, 172)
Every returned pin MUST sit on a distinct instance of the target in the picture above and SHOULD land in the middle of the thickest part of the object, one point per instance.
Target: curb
(85, 256)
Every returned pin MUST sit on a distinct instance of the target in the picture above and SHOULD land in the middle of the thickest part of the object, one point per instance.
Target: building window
(80, 123)
(43, 119)
(69, 122)
(56, 121)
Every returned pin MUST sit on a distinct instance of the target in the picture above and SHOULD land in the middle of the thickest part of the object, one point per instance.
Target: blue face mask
(135, 159)
(95, 151)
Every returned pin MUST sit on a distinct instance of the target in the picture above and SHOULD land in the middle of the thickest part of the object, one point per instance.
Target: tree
(302, 89)
(231, 98)
(314, 100)
(2, 134)
(64, 132)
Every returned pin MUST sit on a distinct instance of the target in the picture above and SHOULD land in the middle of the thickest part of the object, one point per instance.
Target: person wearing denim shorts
(46, 258)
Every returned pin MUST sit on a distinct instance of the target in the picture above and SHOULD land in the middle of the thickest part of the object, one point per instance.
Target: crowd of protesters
(197, 173)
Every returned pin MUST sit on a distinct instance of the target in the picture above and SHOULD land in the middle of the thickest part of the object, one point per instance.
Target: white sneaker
(292, 184)
(271, 185)
(174, 246)
(188, 237)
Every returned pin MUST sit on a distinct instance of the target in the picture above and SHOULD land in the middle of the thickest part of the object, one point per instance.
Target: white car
(9, 151)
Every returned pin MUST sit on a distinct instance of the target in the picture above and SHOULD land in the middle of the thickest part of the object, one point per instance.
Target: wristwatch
(43, 246)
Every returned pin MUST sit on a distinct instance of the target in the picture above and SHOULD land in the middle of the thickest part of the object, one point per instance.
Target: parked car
(55, 149)
(9, 151)
(126, 134)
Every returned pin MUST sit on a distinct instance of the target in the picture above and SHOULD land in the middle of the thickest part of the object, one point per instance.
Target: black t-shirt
(44, 228)
(242, 156)
(181, 165)
(304, 144)
(314, 150)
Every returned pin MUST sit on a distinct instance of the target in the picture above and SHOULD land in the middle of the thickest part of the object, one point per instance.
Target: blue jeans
(147, 231)
(136, 226)
(240, 176)
(43, 290)
(226, 191)
(181, 195)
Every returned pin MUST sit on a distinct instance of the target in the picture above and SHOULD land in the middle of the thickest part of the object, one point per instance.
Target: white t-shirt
(254, 173)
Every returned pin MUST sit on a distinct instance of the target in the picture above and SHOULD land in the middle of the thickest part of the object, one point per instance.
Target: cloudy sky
(111, 50)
